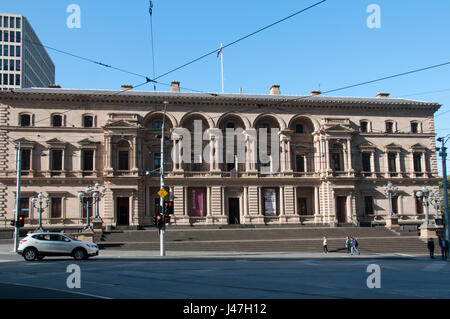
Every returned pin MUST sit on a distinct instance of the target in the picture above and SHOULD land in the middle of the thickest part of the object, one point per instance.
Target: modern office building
(333, 157)
(24, 62)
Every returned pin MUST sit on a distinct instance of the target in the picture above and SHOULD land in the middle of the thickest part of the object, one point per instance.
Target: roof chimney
(383, 95)
(127, 87)
(54, 86)
(175, 86)
(315, 93)
(275, 89)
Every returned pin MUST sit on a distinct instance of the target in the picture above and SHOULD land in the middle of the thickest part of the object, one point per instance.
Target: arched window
(88, 121)
(57, 120)
(25, 120)
(364, 126)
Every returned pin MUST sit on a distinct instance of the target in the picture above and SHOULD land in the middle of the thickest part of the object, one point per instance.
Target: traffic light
(168, 208)
(21, 221)
(159, 221)
(166, 219)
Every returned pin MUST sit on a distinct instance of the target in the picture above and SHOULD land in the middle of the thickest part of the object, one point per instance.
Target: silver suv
(36, 246)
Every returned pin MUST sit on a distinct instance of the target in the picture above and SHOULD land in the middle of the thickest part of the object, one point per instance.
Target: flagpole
(221, 65)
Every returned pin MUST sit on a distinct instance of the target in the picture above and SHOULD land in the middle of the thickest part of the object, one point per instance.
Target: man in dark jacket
(443, 243)
(430, 245)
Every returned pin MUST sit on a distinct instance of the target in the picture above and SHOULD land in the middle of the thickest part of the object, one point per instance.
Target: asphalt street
(190, 275)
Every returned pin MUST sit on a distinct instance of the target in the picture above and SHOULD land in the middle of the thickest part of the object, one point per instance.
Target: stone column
(245, 201)
(349, 156)
(316, 200)
(423, 163)
(372, 161)
(327, 155)
(397, 159)
(282, 211)
(186, 201)
(208, 201)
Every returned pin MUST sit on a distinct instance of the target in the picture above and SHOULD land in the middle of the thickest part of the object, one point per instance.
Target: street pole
(162, 231)
(16, 215)
(443, 154)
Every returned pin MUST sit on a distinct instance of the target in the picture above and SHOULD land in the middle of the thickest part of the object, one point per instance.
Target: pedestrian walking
(325, 245)
(354, 246)
(430, 245)
(348, 244)
(443, 243)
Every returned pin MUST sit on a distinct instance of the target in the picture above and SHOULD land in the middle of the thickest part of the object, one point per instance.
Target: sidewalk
(126, 254)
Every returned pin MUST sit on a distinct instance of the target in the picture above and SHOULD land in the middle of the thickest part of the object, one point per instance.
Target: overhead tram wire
(240, 39)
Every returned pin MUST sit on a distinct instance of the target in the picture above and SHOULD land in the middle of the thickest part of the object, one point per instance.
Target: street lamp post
(443, 153)
(436, 201)
(425, 196)
(40, 202)
(390, 190)
(93, 195)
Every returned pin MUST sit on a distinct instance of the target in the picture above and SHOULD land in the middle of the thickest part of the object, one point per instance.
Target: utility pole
(17, 213)
(443, 154)
(162, 230)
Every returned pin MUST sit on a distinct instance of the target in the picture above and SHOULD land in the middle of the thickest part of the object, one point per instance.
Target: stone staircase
(269, 239)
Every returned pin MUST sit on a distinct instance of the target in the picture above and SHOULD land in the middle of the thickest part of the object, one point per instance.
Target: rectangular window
(414, 127)
(56, 120)
(301, 206)
(18, 79)
(419, 206)
(26, 160)
(11, 65)
(395, 204)
(17, 51)
(366, 162)
(1, 36)
(364, 126)
(18, 37)
(270, 201)
(11, 50)
(12, 36)
(5, 64)
(18, 23)
(123, 160)
(56, 160)
(5, 50)
(25, 207)
(1, 64)
(1, 21)
(417, 162)
(11, 22)
(88, 121)
(11, 79)
(56, 207)
(5, 22)
(300, 163)
(156, 161)
(17, 65)
(5, 78)
(389, 127)
(391, 162)
(6, 36)
(368, 205)
(88, 160)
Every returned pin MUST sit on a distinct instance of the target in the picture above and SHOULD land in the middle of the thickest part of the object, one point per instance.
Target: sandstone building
(336, 154)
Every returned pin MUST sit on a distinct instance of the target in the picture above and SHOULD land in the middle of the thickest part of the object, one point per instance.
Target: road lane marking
(436, 266)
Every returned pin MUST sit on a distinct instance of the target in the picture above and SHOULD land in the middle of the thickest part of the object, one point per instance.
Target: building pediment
(56, 141)
(338, 128)
(122, 124)
(367, 146)
(87, 141)
(393, 146)
(418, 146)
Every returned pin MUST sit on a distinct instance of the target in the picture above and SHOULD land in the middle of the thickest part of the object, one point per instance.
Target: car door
(43, 243)
(59, 244)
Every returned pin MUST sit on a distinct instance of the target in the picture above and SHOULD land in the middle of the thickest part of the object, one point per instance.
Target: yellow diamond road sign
(162, 193)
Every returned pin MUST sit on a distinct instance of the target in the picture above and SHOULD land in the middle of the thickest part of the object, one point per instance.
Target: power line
(240, 39)
(152, 40)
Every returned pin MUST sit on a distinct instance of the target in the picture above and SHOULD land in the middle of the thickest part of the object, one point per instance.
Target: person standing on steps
(430, 245)
(325, 244)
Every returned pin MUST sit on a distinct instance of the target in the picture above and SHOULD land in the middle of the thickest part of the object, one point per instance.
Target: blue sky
(329, 46)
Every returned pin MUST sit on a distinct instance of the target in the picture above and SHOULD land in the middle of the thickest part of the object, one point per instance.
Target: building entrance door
(233, 211)
(123, 211)
(341, 209)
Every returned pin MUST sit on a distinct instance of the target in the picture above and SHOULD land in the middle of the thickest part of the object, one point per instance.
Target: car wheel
(30, 254)
(80, 254)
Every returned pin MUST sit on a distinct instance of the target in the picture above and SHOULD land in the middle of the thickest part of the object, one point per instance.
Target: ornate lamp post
(436, 200)
(390, 190)
(40, 202)
(424, 196)
(94, 193)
